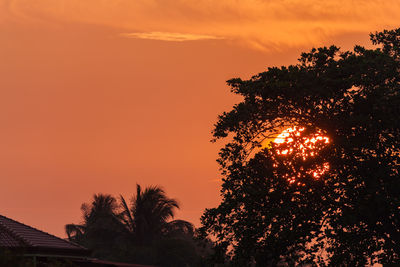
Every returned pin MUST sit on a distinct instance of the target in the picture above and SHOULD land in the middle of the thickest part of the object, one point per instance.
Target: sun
(305, 145)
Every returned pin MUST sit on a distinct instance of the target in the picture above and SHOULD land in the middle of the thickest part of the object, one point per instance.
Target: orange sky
(96, 96)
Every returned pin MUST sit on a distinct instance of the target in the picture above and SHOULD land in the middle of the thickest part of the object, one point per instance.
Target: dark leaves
(351, 213)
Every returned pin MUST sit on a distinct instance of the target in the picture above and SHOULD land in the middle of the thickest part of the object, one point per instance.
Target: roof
(15, 235)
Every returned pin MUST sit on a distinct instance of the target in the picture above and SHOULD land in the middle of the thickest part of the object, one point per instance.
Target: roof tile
(16, 234)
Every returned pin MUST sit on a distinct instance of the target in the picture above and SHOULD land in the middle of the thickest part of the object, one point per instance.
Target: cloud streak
(257, 23)
(170, 36)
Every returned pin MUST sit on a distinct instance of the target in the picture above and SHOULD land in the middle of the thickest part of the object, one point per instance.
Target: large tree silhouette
(273, 208)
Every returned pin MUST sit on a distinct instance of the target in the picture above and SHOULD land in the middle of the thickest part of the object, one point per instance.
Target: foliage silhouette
(101, 230)
(348, 216)
(14, 259)
(148, 217)
(148, 222)
(141, 231)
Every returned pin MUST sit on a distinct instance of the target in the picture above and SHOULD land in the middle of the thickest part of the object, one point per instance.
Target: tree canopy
(274, 209)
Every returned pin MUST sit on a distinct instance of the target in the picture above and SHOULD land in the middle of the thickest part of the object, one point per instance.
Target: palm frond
(126, 215)
(74, 231)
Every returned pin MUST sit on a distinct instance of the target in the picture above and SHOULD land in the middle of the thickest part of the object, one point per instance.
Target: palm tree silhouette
(148, 217)
(101, 229)
(141, 231)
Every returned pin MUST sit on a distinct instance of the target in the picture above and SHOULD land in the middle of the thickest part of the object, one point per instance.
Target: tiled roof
(7, 240)
(14, 234)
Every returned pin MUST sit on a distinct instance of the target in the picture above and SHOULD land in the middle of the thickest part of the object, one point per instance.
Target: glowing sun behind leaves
(295, 147)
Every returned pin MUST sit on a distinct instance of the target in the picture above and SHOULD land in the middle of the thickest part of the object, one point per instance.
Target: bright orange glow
(95, 94)
(307, 148)
(284, 137)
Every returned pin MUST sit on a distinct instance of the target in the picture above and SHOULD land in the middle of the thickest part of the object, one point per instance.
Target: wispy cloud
(170, 36)
(260, 24)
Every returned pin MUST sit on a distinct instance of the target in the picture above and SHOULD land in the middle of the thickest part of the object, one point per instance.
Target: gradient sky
(98, 95)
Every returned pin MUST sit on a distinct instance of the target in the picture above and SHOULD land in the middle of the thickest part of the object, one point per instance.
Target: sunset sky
(98, 95)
